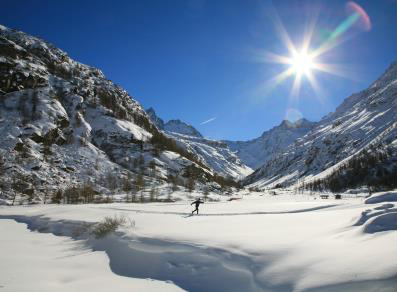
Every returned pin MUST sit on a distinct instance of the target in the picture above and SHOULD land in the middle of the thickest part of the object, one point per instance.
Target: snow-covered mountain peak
(301, 123)
(175, 125)
(215, 154)
(240, 157)
(256, 152)
(178, 126)
(154, 118)
(287, 124)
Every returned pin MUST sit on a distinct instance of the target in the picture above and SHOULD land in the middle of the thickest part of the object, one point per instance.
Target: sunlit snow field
(257, 242)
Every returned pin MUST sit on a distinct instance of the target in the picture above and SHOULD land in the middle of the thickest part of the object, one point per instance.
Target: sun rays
(305, 62)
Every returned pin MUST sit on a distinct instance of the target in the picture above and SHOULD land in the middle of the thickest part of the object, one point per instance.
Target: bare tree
(127, 185)
(2, 164)
(141, 163)
(206, 193)
(152, 166)
(153, 194)
(18, 185)
(111, 181)
(140, 185)
(190, 184)
(57, 197)
(87, 192)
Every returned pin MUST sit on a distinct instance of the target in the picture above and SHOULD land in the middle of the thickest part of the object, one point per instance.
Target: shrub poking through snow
(108, 225)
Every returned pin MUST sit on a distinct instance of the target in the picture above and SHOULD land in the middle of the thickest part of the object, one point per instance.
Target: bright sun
(302, 63)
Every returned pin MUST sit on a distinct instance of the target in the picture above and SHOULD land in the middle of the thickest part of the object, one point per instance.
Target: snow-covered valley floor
(257, 243)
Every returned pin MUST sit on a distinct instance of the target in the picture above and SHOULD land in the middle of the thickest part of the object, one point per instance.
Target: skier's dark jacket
(197, 203)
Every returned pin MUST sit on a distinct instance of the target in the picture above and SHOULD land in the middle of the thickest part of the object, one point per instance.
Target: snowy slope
(258, 243)
(215, 154)
(365, 122)
(256, 152)
(235, 158)
(46, 262)
(64, 124)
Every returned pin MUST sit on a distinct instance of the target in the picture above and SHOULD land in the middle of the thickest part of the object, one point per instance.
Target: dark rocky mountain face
(155, 119)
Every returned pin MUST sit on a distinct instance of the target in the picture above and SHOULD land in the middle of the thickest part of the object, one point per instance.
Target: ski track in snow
(227, 214)
(342, 257)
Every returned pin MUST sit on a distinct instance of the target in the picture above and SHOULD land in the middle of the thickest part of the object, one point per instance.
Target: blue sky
(199, 60)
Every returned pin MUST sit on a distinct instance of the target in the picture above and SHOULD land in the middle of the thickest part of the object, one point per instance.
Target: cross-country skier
(197, 203)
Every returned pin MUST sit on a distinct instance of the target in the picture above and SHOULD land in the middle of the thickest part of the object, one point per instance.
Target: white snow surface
(32, 261)
(256, 242)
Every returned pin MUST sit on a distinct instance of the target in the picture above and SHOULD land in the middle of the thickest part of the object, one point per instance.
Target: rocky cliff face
(155, 119)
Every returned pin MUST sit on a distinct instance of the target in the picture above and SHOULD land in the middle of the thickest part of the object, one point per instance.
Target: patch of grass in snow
(109, 225)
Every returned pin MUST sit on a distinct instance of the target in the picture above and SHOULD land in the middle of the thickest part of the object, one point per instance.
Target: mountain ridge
(214, 153)
(68, 130)
(365, 122)
(173, 125)
(254, 152)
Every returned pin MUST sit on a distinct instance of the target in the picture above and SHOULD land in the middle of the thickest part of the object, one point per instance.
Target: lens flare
(303, 62)
(293, 115)
(356, 16)
(363, 17)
